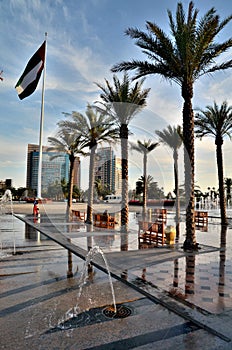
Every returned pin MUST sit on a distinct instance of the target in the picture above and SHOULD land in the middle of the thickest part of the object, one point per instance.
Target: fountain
(73, 318)
(5, 200)
(74, 312)
(93, 251)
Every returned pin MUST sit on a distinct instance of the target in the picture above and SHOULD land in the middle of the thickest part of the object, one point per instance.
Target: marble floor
(201, 280)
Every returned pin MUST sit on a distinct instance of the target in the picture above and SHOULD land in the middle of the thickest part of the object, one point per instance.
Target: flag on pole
(29, 80)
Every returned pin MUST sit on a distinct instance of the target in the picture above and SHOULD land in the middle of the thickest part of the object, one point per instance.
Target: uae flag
(29, 80)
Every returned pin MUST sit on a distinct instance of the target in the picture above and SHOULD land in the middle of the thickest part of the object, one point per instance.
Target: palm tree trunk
(176, 177)
(145, 184)
(124, 156)
(70, 190)
(222, 199)
(89, 218)
(188, 136)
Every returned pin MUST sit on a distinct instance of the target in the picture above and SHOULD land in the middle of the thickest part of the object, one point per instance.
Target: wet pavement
(169, 298)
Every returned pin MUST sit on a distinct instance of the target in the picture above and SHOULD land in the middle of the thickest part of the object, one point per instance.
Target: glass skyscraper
(108, 169)
(55, 167)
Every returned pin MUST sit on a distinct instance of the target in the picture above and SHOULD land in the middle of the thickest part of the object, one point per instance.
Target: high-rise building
(108, 169)
(55, 167)
(118, 176)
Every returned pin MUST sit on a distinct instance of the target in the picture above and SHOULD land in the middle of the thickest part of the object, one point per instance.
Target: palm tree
(123, 101)
(216, 121)
(172, 137)
(98, 187)
(183, 58)
(144, 147)
(72, 144)
(228, 185)
(95, 128)
(151, 186)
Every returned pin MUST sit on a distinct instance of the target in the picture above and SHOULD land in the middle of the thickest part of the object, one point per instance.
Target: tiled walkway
(202, 281)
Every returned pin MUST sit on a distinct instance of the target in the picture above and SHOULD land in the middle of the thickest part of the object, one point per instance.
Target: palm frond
(188, 54)
(144, 147)
(171, 136)
(123, 100)
(214, 121)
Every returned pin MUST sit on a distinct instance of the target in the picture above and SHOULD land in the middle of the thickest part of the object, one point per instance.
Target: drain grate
(121, 311)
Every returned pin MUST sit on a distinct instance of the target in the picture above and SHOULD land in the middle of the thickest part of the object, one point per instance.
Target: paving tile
(35, 290)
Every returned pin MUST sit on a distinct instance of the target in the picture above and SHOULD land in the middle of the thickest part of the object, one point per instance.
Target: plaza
(168, 298)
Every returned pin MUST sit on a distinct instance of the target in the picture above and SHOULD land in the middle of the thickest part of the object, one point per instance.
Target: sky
(85, 39)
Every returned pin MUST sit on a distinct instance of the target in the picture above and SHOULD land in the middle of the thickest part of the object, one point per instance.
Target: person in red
(35, 207)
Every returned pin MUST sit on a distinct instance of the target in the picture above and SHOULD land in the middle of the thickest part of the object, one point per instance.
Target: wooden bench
(159, 215)
(151, 234)
(78, 215)
(201, 218)
(104, 221)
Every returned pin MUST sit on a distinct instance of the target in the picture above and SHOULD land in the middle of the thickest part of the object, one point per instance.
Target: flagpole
(41, 128)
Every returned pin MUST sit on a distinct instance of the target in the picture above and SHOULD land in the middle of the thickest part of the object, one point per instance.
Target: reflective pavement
(176, 299)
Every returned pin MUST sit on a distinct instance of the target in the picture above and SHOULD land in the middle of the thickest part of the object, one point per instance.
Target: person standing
(35, 207)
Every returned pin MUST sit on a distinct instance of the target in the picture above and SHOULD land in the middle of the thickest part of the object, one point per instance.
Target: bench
(104, 221)
(159, 215)
(201, 218)
(78, 215)
(151, 234)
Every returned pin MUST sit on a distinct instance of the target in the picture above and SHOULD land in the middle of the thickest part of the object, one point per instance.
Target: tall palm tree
(186, 56)
(123, 101)
(145, 148)
(172, 136)
(95, 128)
(216, 121)
(72, 144)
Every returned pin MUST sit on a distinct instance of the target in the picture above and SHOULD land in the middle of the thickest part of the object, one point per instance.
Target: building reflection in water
(32, 234)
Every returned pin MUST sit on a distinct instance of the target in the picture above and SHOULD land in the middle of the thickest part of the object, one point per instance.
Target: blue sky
(85, 39)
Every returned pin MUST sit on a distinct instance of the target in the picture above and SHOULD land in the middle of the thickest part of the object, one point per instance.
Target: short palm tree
(185, 57)
(72, 144)
(123, 101)
(173, 138)
(98, 187)
(95, 128)
(145, 148)
(216, 121)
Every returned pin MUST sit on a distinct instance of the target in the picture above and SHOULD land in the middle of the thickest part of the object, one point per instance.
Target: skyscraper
(118, 176)
(53, 170)
(108, 169)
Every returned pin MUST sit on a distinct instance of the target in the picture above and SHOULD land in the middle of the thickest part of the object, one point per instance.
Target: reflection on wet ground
(203, 279)
(36, 293)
